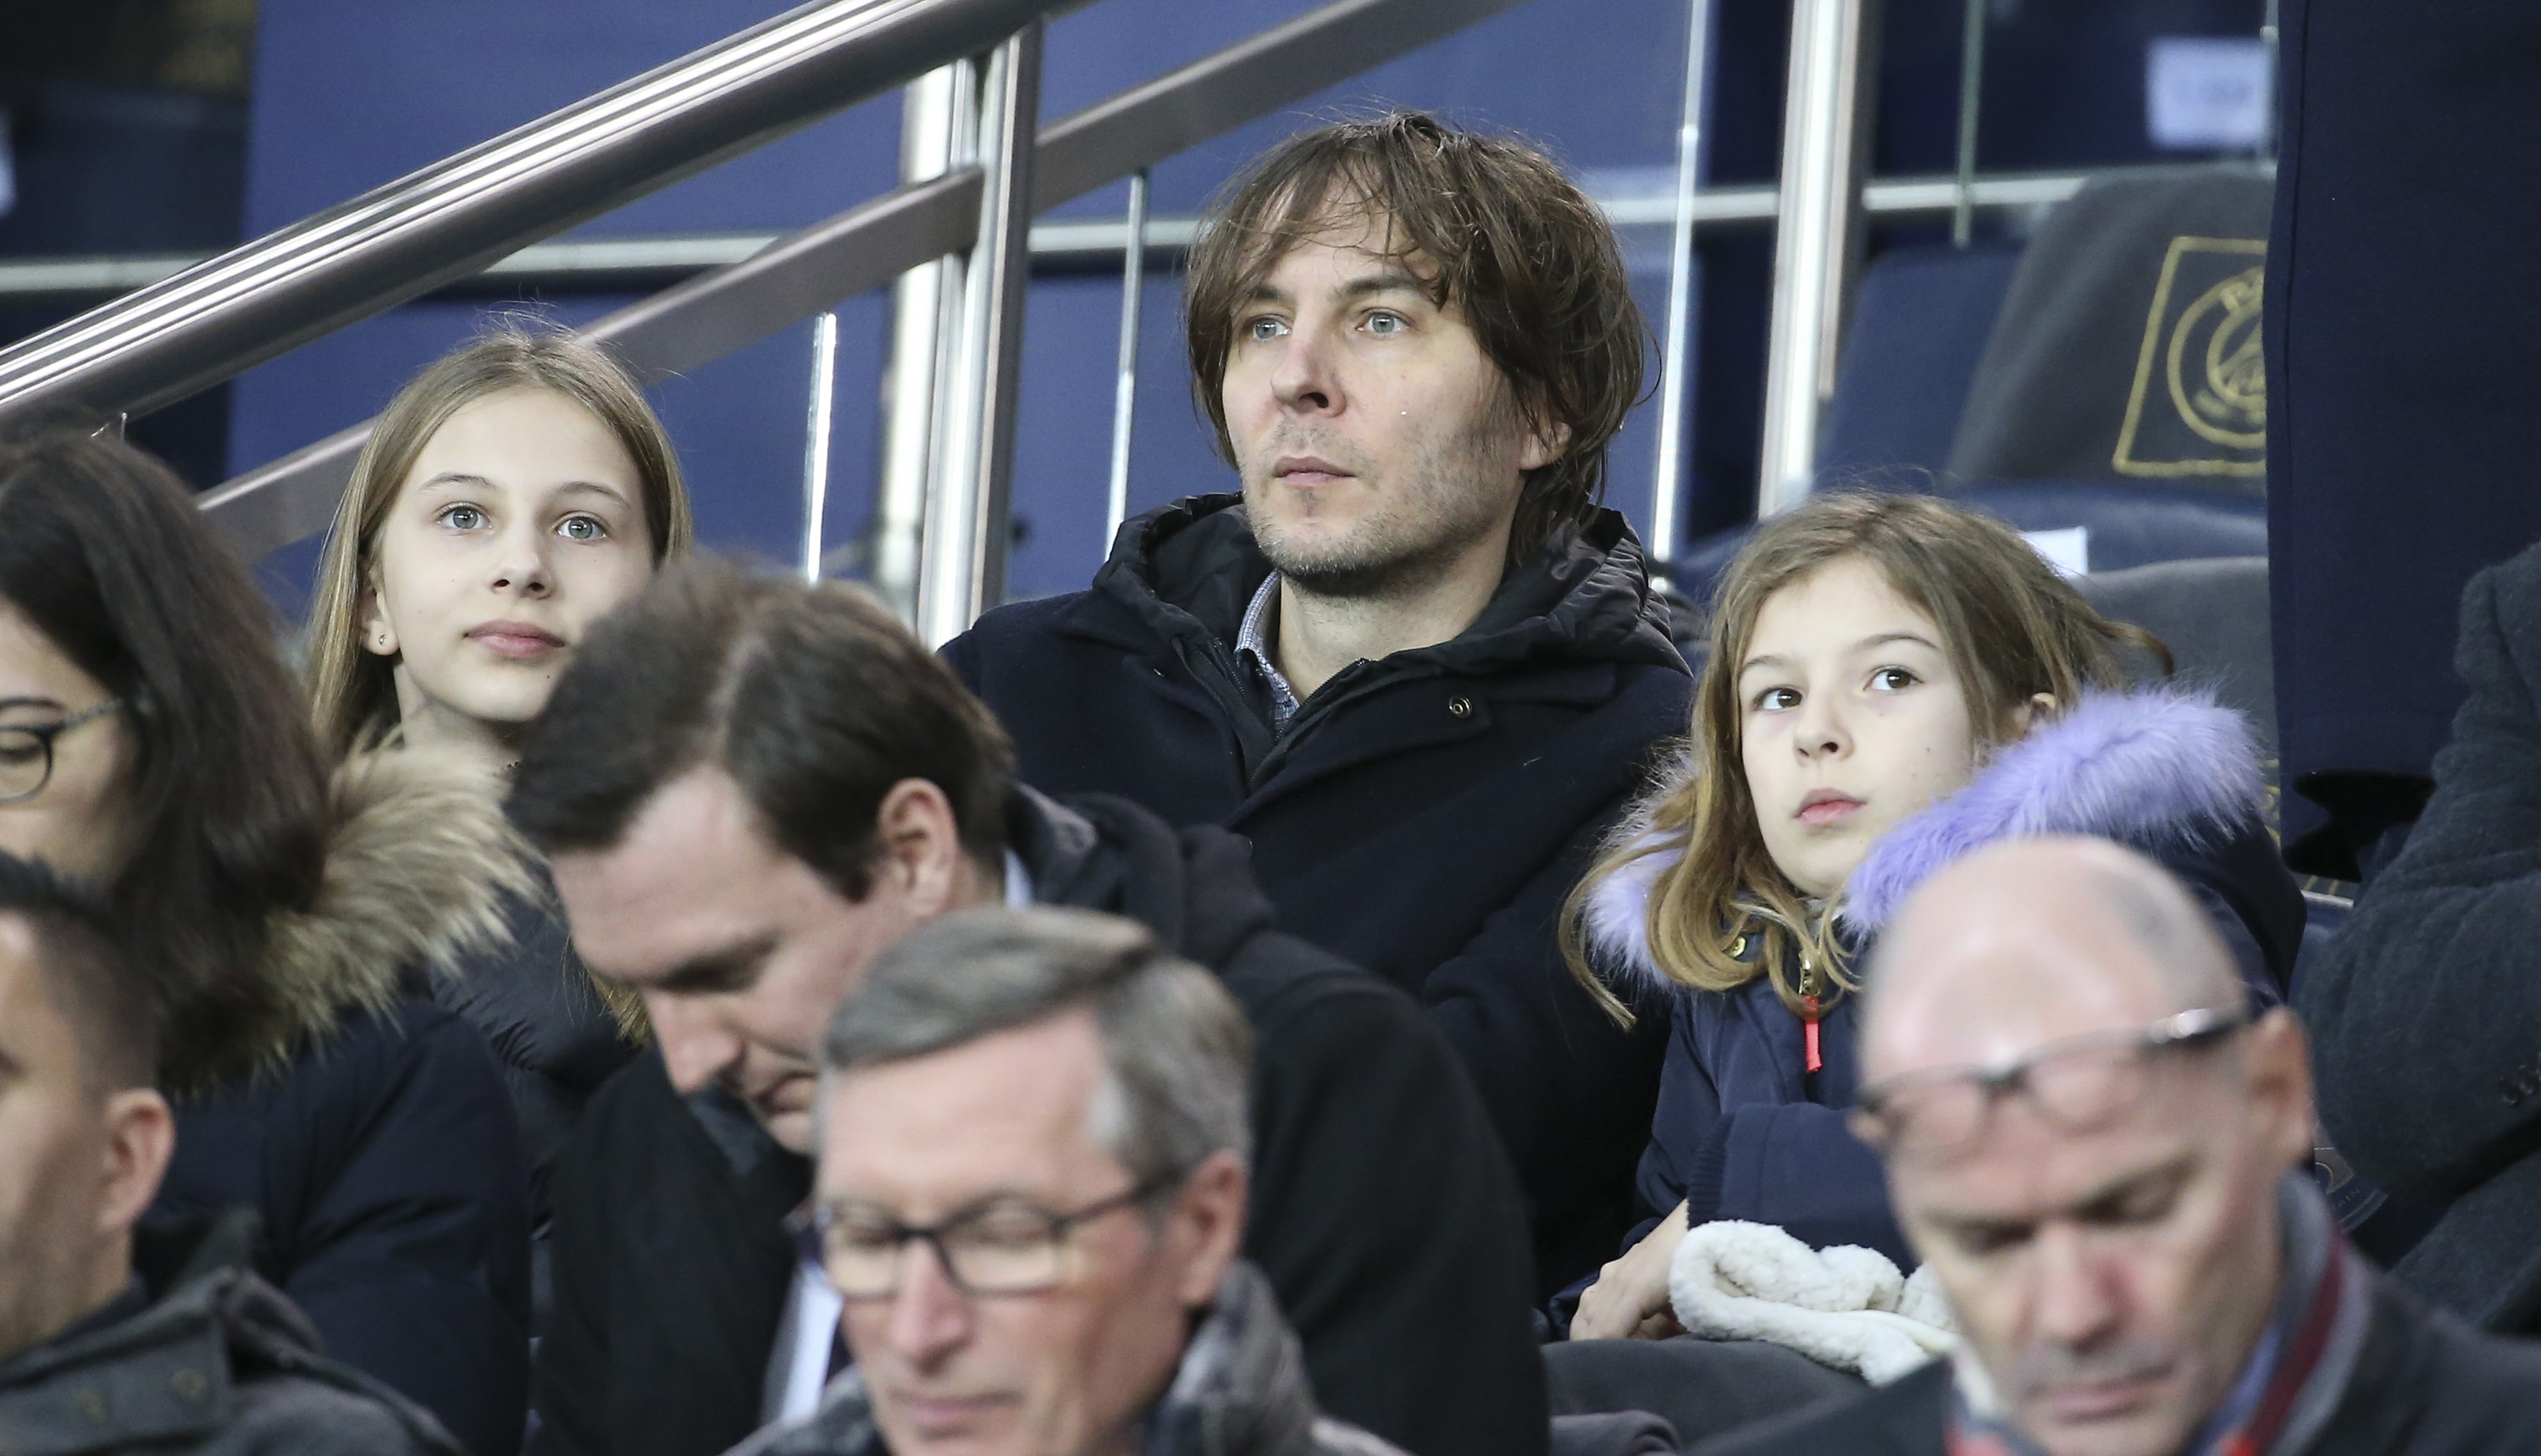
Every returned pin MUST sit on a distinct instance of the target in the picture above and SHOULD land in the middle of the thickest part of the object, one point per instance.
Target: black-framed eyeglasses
(1002, 1246)
(26, 751)
(2076, 1083)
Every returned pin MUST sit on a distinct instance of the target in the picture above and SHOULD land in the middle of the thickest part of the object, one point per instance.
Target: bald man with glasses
(2098, 1149)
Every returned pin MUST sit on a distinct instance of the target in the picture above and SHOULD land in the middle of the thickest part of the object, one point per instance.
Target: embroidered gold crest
(2199, 402)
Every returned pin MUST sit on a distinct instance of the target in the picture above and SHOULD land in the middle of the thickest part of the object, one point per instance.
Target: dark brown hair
(814, 698)
(2011, 627)
(1505, 239)
(103, 550)
(86, 976)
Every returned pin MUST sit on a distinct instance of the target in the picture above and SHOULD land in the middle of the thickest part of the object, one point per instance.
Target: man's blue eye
(1386, 324)
(1261, 329)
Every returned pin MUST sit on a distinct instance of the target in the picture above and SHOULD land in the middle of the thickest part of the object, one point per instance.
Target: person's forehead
(1833, 608)
(32, 1029)
(1989, 978)
(1337, 246)
(1009, 1110)
(693, 870)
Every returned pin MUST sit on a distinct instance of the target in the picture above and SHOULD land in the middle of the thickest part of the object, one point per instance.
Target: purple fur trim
(2147, 768)
(1615, 921)
(2143, 768)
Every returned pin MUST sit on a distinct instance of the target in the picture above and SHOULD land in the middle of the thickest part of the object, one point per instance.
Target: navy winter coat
(1423, 816)
(1744, 1132)
(368, 1127)
(2402, 292)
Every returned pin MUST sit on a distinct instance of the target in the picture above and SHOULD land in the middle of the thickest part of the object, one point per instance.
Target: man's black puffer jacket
(1383, 1210)
(1423, 816)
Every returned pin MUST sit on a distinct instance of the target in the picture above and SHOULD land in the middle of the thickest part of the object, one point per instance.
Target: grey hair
(1176, 1051)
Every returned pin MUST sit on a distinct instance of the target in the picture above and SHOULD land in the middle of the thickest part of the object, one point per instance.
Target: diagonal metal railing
(220, 317)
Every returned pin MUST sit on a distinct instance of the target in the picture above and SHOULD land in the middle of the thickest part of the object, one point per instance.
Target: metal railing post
(938, 120)
(1972, 39)
(1125, 391)
(1675, 364)
(1817, 240)
(962, 559)
(815, 440)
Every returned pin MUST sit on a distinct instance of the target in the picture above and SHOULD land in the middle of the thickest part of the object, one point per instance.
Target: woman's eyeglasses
(2077, 1084)
(1005, 1246)
(26, 751)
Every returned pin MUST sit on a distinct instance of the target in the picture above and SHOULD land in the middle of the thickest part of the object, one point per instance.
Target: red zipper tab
(1810, 1015)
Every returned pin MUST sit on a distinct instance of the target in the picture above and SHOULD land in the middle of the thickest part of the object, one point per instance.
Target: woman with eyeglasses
(1892, 681)
(152, 744)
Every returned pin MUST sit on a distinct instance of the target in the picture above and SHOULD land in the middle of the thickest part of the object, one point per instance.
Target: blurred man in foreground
(108, 1341)
(1033, 1145)
(2096, 1146)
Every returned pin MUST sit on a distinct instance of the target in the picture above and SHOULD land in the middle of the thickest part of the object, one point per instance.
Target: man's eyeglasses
(2077, 1084)
(26, 751)
(1005, 1246)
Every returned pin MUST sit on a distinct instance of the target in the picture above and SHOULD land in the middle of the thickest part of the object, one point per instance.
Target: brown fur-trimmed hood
(419, 864)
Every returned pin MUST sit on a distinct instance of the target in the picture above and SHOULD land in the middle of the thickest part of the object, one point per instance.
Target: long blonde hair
(353, 693)
(2011, 628)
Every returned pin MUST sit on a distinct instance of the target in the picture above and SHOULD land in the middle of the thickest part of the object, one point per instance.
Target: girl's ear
(2040, 707)
(379, 635)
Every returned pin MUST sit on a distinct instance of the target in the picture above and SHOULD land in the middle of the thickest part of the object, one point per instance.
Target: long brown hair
(353, 692)
(2011, 627)
(1532, 264)
(103, 550)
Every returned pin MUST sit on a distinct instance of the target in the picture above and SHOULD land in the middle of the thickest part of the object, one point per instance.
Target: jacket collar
(2151, 768)
(419, 863)
(162, 1374)
(1240, 1391)
(1188, 570)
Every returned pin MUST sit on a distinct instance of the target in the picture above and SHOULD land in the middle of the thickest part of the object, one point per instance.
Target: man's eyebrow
(734, 968)
(1389, 280)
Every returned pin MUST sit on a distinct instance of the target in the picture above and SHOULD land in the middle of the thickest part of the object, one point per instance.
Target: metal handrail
(214, 321)
(871, 244)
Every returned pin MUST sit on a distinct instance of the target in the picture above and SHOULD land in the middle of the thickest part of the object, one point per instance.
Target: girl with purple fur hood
(1892, 681)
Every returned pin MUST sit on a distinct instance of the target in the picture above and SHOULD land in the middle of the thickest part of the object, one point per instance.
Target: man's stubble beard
(1417, 533)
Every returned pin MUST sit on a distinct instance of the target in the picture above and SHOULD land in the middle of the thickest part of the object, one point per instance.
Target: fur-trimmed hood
(2152, 768)
(419, 863)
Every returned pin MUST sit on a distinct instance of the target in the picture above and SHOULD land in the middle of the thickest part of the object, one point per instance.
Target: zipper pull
(1810, 1012)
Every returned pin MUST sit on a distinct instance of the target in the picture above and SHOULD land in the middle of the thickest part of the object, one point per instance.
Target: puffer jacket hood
(419, 863)
(2155, 770)
(1240, 1391)
(1192, 567)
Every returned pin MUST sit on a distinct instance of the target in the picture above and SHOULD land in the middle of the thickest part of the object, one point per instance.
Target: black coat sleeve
(1384, 1216)
(412, 1258)
(1570, 1093)
(672, 1265)
(2426, 1015)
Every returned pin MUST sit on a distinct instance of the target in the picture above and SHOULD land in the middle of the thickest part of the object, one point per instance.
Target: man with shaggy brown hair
(1415, 661)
